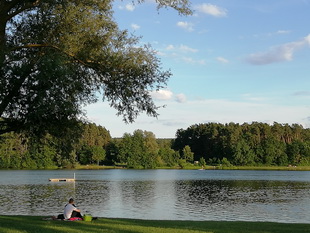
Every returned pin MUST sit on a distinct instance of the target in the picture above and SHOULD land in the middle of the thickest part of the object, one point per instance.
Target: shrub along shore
(36, 224)
(189, 167)
(193, 167)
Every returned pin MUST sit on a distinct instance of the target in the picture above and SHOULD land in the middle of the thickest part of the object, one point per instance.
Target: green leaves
(246, 144)
(55, 56)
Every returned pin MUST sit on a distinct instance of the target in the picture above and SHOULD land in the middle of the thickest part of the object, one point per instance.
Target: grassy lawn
(34, 224)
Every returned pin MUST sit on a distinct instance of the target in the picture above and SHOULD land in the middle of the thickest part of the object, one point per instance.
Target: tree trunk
(2, 43)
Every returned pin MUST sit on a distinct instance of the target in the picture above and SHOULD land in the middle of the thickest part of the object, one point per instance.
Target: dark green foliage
(139, 150)
(19, 151)
(187, 154)
(112, 152)
(202, 162)
(92, 144)
(55, 56)
(255, 144)
(168, 157)
(246, 144)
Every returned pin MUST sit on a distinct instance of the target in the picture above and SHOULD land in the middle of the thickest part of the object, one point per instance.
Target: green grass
(34, 224)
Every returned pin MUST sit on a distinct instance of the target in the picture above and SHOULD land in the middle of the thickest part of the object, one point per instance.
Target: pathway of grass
(33, 224)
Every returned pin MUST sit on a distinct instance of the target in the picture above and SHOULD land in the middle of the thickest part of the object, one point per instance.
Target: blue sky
(232, 61)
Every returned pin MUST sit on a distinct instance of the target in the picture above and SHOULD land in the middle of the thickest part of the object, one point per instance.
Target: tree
(166, 155)
(188, 155)
(55, 56)
(243, 155)
(12, 150)
(112, 152)
(202, 162)
(132, 149)
(139, 150)
(98, 154)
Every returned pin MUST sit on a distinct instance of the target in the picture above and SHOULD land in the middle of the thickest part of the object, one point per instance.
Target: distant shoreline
(102, 167)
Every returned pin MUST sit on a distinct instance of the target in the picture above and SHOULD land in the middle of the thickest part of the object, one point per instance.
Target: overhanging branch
(27, 5)
(31, 46)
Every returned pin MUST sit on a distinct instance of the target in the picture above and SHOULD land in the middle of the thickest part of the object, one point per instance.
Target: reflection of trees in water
(182, 199)
(137, 193)
(92, 195)
(35, 199)
(221, 193)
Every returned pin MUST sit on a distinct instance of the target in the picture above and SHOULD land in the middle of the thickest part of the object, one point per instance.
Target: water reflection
(243, 200)
(162, 194)
(34, 199)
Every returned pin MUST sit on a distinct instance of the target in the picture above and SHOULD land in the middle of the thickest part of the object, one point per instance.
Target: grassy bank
(27, 224)
(194, 167)
(187, 167)
(272, 168)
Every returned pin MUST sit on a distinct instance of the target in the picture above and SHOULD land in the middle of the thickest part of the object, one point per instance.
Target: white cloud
(159, 53)
(185, 48)
(162, 95)
(135, 26)
(222, 60)
(179, 52)
(186, 25)
(170, 47)
(180, 98)
(210, 9)
(130, 7)
(168, 95)
(181, 48)
(283, 32)
(279, 53)
(191, 60)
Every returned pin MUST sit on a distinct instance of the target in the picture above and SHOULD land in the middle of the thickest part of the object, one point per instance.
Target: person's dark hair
(71, 200)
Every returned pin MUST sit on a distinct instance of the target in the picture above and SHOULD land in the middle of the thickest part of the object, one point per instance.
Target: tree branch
(28, 4)
(30, 46)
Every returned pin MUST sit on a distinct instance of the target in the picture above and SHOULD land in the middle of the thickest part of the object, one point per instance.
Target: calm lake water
(277, 196)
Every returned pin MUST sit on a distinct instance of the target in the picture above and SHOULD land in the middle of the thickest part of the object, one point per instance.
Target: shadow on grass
(33, 224)
(219, 226)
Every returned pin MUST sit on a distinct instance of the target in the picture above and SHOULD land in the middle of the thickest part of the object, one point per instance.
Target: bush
(226, 163)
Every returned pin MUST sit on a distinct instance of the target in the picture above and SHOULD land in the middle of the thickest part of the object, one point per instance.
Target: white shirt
(68, 211)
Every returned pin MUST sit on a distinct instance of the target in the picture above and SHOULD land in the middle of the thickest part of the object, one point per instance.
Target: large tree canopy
(57, 55)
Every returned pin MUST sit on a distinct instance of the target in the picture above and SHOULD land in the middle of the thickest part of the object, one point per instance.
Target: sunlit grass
(34, 224)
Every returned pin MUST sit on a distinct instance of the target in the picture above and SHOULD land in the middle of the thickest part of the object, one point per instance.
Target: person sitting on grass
(71, 211)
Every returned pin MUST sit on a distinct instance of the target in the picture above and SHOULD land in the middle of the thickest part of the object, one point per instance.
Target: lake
(221, 195)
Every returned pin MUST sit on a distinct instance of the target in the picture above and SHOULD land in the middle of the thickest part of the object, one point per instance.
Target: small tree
(98, 154)
(202, 162)
(188, 155)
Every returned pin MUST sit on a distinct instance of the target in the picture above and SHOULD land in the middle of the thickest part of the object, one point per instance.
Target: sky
(232, 61)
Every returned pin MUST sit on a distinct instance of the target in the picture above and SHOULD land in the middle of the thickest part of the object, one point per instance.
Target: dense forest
(201, 144)
(247, 144)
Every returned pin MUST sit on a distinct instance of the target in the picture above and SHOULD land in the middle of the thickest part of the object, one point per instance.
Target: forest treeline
(215, 144)
(247, 144)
